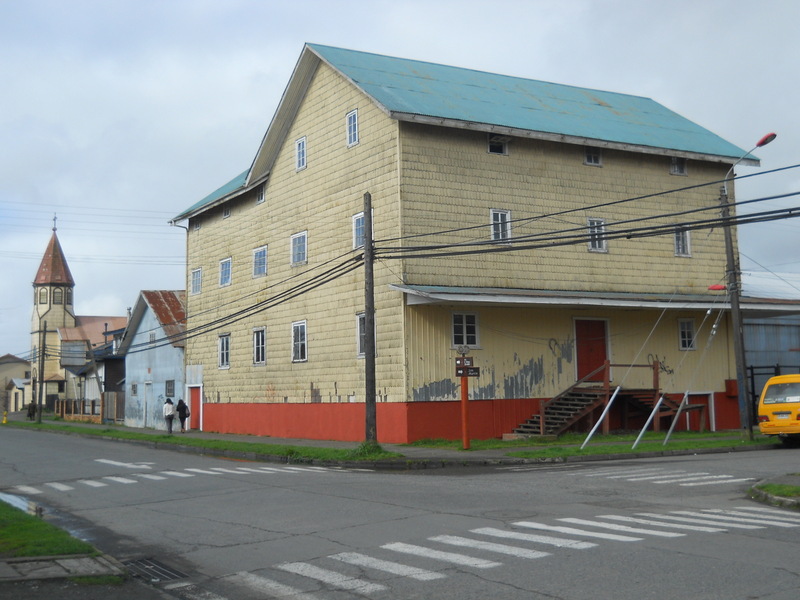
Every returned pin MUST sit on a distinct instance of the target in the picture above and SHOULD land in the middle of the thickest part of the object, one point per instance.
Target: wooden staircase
(581, 399)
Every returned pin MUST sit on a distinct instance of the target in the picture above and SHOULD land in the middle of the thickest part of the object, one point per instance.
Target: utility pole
(43, 341)
(369, 324)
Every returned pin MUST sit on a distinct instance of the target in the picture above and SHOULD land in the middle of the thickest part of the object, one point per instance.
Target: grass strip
(778, 489)
(365, 452)
(23, 535)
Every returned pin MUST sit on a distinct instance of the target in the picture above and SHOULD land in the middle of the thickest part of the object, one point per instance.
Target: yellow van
(779, 408)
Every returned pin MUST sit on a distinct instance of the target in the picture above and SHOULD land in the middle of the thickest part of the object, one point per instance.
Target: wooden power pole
(369, 324)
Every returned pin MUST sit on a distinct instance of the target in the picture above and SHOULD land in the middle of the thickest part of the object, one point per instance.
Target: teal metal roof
(233, 185)
(438, 91)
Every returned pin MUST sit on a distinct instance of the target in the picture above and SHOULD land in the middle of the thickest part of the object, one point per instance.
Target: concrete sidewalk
(58, 567)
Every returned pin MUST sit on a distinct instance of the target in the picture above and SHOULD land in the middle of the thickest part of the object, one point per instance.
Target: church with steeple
(63, 344)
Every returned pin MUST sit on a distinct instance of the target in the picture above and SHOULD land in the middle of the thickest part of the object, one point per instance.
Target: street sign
(468, 371)
(464, 361)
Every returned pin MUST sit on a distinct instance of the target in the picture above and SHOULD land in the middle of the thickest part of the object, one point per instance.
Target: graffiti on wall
(563, 351)
(662, 365)
(523, 383)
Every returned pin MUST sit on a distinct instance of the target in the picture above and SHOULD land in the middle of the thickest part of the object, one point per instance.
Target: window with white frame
(300, 154)
(260, 261)
(498, 144)
(298, 248)
(592, 156)
(152, 338)
(682, 243)
(299, 344)
(597, 235)
(686, 334)
(226, 212)
(197, 281)
(260, 194)
(224, 351)
(465, 330)
(197, 225)
(259, 346)
(224, 272)
(361, 334)
(501, 225)
(358, 230)
(677, 166)
(352, 128)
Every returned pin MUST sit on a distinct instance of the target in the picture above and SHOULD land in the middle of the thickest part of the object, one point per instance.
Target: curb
(780, 501)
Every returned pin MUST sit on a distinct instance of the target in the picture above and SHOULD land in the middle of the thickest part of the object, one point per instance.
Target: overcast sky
(117, 115)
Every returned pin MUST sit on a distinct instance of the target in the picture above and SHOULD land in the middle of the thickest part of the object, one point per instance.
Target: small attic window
(226, 212)
(592, 156)
(678, 166)
(498, 144)
(260, 194)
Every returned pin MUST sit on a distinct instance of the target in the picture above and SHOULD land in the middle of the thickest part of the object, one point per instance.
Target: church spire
(54, 269)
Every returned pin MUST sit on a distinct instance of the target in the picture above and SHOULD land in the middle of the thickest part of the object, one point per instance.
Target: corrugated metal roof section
(170, 310)
(233, 185)
(439, 91)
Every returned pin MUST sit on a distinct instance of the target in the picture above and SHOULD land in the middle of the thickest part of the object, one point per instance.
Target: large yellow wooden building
(553, 233)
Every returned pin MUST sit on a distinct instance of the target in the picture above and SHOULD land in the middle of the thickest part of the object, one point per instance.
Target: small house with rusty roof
(153, 346)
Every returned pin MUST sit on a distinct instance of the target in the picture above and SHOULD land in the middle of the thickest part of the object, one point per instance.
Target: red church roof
(54, 269)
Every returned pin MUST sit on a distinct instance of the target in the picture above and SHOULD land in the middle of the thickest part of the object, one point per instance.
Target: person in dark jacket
(183, 413)
(31, 411)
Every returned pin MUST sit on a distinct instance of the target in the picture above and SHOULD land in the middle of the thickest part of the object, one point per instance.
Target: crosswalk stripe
(573, 531)
(724, 514)
(26, 489)
(621, 472)
(332, 578)
(665, 475)
(718, 482)
(202, 471)
(231, 471)
(463, 542)
(657, 524)
(691, 477)
(61, 487)
(251, 470)
(120, 479)
(177, 474)
(362, 560)
(626, 475)
(149, 476)
(741, 513)
(93, 483)
(451, 557)
(268, 586)
(302, 469)
(273, 470)
(772, 512)
(700, 521)
(530, 537)
(624, 528)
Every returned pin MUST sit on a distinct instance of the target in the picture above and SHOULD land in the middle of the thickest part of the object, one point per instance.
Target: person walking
(183, 413)
(169, 414)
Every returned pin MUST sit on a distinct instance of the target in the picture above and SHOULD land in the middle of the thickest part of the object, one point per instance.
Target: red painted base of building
(402, 423)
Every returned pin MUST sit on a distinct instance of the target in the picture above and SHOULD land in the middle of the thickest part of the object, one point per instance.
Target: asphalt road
(228, 530)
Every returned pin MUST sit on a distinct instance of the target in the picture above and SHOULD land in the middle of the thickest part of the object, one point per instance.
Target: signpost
(465, 369)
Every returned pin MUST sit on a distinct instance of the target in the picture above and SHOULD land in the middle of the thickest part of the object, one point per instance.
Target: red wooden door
(194, 408)
(591, 347)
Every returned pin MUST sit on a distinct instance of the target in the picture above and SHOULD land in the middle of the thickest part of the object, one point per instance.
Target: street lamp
(734, 289)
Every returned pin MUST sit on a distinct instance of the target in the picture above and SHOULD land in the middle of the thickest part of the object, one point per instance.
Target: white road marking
(362, 560)
(701, 521)
(774, 513)
(657, 524)
(451, 557)
(121, 479)
(621, 472)
(61, 487)
(143, 465)
(665, 475)
(268, 586)
(573, 531)
(149, 476)
(176, 474)
(232, 471)
(455, 540)
(640, 473)
(718, 482)
(757, 519)
(624, 528)
(26, 489)
(203, 471)
(92, 483)
(332, 578)
(537, 539)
